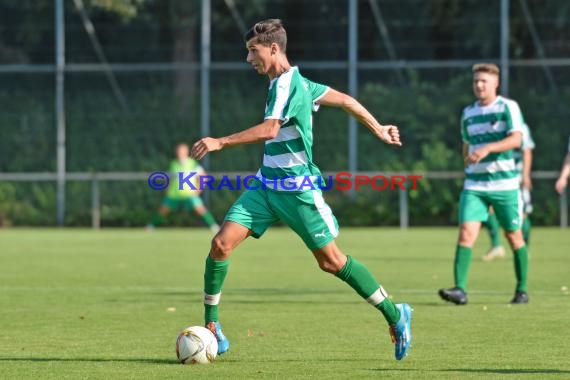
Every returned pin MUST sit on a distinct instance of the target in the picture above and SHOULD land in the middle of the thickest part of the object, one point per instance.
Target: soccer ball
(196, 345)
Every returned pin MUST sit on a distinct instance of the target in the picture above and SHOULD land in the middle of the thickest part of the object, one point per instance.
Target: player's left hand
(390, 135)
(477, 155)
(204, 146)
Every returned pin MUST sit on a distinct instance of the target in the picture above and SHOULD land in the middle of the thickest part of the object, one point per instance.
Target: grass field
(81, 304)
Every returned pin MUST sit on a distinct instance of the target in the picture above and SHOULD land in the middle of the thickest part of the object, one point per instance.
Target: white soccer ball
(196, 345)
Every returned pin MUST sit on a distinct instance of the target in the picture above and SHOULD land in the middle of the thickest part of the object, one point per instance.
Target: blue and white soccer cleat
(223, 342)
(401, 332)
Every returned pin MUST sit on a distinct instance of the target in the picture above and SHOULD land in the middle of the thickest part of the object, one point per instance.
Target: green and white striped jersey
(291, 99)
(527, 143)
(481, 125)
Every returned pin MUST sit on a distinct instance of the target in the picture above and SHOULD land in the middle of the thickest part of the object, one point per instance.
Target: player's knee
(221, 248)
(329, 267)
(467, 236)
(515, 238)
(331, 264)
(467, 233)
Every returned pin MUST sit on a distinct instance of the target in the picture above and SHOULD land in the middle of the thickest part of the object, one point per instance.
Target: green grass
(94, 305)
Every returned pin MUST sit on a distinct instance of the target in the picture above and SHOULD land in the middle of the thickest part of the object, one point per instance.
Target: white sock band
(212, 299)
(377, 297)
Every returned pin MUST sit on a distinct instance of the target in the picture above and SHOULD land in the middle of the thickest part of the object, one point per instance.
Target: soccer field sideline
(109, 303)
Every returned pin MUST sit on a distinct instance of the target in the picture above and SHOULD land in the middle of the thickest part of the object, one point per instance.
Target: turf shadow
(94, 360)
(496, 371)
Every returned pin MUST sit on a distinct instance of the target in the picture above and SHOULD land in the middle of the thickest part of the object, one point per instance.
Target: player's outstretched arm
(387, 133)
(261, 132)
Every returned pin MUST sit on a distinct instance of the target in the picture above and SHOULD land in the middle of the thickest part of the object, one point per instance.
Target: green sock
(492, 225)
(363, 282)
(157, 219)
(521, 268)
(461, 266)
(208, 218)
(214, 275)
(526, 230)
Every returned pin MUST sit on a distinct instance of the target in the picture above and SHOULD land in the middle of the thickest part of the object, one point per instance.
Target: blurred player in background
(523, 164)
(187, 197)
(562, 181)
(491, 128)
(287, 134)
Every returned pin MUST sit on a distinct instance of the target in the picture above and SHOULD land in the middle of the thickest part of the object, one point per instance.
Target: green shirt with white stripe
(291, 99)
(481, 125)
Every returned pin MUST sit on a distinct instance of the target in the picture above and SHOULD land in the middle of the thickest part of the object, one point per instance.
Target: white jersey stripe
(282, 96)
(285, 134)
(473, 148)
(491, 167)
(484, 128)
(285, 160)
(497, 185)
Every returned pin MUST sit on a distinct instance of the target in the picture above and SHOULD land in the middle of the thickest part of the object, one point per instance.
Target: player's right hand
(204, 146)
(390, 135)
(561, 185)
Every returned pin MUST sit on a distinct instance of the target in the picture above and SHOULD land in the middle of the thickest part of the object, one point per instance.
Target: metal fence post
(404, 214)
(205, 60)
(564, 209)
(60, 109)
(352, 89)
(505, 31)
(95, 204)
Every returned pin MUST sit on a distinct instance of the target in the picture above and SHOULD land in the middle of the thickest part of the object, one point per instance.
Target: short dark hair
(267, 32)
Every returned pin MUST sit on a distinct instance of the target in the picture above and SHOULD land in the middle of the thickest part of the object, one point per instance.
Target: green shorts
(474, 207)
(306, 213)
(190, 203)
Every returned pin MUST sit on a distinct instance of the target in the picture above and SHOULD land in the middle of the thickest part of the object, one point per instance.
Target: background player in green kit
(297, 201)
(187, 197)
(523, 163)
(491, 128)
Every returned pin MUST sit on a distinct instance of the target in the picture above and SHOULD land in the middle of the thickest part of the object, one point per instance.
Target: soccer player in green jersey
(562, 180)
(491, 128)
(523, 164)
(296, 199)
(186, 197)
